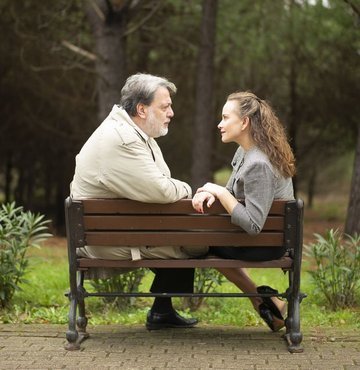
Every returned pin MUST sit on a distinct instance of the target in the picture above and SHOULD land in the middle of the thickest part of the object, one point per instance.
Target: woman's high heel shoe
(273, 322)
(268, 310)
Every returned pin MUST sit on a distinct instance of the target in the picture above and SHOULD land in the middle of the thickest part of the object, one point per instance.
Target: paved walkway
(204, 347)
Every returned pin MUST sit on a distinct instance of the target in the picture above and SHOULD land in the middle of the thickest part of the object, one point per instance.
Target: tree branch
(98, 11)
(78, 50)
(355, 9)
(144, 20)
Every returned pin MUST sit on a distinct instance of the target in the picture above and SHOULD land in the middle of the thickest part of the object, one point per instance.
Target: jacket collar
(121, 112)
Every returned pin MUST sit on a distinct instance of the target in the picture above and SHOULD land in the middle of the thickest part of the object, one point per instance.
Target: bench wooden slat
(125, 206)
(268, 239)
(170, 223)
(284, 262)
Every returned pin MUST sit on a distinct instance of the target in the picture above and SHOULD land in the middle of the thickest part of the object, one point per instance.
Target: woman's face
(231, 125)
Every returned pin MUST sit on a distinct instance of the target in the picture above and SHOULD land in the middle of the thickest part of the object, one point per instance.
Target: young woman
(263, 167)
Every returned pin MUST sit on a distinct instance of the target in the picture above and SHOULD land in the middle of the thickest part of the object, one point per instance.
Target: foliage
(45, 59)
(19, 231)
(56, 100)
(206, 280)
(128, 282)
(337, 273)
(31, 307)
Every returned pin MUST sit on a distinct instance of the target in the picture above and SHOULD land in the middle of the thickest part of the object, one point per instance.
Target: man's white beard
(154, 130)
(164, 131)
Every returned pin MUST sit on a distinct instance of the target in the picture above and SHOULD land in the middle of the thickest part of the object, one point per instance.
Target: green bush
(128, 282)
(19, 231)
(337, 272)
(205, 281)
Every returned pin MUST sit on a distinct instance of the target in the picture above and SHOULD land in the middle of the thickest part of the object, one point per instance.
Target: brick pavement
(204, 347)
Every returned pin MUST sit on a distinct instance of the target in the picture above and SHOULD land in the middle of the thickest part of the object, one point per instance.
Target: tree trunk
(108, 25)
(30, 186)
(293, 121)
(204, 112)
(311, 186)
(59, 201)
(352, 225)
(145, 41)
(20, 186)
(8, 177)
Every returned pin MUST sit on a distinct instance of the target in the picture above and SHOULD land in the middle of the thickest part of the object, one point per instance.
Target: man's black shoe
(156, 321)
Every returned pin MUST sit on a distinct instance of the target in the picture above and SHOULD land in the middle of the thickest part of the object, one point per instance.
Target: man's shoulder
(114, 128)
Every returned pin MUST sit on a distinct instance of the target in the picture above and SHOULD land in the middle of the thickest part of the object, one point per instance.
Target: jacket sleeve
(259, 190)
(130, 171)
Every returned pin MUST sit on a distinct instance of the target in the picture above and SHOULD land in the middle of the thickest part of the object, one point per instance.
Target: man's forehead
(162, 95)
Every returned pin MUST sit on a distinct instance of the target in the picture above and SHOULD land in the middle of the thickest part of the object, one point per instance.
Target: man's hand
(200, 197)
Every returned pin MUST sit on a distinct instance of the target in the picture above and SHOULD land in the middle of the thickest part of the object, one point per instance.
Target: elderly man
(121, 159)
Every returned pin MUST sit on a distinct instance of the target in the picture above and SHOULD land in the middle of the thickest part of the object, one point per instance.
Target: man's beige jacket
(120, 161)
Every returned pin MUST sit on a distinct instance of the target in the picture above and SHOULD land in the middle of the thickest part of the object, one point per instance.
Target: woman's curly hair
(266, 130)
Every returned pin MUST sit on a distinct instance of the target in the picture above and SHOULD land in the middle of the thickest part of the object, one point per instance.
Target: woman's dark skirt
(248, 253)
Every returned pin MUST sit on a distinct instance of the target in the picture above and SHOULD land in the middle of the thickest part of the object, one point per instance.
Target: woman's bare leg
(241, 278)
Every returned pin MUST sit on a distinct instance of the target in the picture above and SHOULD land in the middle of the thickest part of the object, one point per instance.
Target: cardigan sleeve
(259, 190)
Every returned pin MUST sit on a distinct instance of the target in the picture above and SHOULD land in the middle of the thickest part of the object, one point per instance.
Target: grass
(43, 300)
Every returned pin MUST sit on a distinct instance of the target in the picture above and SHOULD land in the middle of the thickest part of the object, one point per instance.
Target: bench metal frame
(123, 222)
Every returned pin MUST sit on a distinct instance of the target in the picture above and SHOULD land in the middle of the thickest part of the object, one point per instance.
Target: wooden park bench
(122, 222)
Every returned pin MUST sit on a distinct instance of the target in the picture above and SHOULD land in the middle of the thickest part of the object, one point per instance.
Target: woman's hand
(212, 188)
(209, 192)
(201, 197)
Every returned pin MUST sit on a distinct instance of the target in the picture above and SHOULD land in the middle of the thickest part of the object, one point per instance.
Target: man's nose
(170, 112)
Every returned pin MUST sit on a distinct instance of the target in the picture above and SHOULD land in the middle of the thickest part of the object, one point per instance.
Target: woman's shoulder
(257, 156)
(257, 162)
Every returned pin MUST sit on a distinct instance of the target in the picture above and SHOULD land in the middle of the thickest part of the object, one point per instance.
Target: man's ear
(141, 110)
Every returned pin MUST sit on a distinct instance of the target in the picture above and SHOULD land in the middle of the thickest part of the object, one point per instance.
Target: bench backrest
(126, 222)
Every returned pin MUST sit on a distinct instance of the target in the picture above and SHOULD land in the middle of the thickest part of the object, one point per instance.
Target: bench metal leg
(82, 319)
(72, 335)
(293, 335)
(77, 325)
